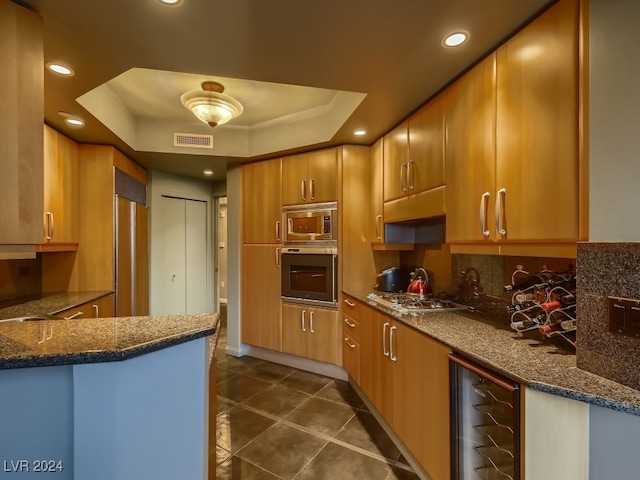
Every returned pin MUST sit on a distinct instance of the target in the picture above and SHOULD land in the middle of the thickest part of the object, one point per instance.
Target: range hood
(426, 231)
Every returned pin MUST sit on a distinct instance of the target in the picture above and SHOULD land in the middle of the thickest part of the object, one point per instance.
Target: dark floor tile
(277, 400)
(238, 426)
(237, 469)
(282, 450)
(305, 382)
(221, 455)
(365, 432)
(223, 375)
(338, 462)
(269, 372)
(340, 391)
(222, 405)
(321, 415)
(241, 387)
(238, 364)
(401, 474)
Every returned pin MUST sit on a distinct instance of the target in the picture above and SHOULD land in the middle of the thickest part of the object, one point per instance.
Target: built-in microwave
(309, 275)
(313, 224)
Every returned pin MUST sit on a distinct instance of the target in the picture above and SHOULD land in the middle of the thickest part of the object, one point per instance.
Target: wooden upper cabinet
(425, 169)
(537, 128)
(471, 154)
(377, 199)
(262, 202)
(310, 177)
(21, 116)
(61, 188)
(396, 158)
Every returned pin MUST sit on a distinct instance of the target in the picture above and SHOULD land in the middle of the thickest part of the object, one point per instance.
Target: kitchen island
(106, 398)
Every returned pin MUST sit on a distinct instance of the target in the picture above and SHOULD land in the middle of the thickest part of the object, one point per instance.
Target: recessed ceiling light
(64, 114)
(455, 39)
(208, 172)
(76, 122)
(60, 69)
(359, 132)
(171, 3)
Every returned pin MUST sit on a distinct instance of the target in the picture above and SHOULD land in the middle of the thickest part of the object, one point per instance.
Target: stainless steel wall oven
(309, 275)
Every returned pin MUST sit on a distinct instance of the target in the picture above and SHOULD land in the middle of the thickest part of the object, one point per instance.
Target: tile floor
(277, 422)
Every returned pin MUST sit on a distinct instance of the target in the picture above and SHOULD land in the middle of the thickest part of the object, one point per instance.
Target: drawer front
(351, 357)
(350, 327)
(351, 306)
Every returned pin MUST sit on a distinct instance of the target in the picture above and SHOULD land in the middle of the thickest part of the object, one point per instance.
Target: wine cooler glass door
(485, 424)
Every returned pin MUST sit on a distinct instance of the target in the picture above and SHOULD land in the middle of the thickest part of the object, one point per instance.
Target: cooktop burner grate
(414, 303)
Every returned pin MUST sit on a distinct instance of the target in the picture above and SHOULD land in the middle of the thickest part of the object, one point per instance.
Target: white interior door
(222, 249)
(182, 247)
(196, 256)
(170, 247)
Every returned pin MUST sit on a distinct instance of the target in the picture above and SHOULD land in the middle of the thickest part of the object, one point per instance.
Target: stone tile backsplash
(20, 279)
(607, 269)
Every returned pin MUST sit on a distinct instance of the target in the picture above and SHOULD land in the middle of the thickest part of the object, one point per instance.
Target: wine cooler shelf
(544, 301)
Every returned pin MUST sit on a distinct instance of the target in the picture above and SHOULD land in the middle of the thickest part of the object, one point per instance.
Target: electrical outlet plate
(624, 316)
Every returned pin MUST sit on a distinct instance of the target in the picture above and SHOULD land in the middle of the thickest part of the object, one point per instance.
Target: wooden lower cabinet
(310, 332)
(261, 303)
(102, 307)
(405, 375)
(351, 346)
(420, 403)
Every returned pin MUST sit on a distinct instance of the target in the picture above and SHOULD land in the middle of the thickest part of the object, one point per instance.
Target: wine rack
(544, 301)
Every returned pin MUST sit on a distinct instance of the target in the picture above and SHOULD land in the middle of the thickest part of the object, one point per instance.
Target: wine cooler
(485, 423)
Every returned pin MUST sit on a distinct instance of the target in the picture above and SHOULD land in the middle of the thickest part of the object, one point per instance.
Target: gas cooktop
(413, 303)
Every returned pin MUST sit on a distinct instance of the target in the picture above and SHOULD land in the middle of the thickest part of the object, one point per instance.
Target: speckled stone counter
(542, 366)
(93, 340)
(51, 304)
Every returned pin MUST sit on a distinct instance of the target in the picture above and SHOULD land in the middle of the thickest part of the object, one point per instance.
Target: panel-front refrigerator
(485, 423)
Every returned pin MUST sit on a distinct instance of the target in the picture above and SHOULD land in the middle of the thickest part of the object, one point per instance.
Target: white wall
(614, 134)
(165, 184)
(234, 252)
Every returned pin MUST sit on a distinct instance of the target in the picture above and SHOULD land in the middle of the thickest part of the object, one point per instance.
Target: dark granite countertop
(540, 365)
(92, 340)
(51, 304)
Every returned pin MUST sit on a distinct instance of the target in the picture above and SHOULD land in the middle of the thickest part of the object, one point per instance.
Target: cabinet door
(295, 182)
(470, 154)
(103, 307)
(322, 175)
(261, 304)
(21, 114)
(537, 128)
(396, 156)
(262, 201)
(377, 200)
(295, 329)
(375, 366)
(426, 147)
(323, 335)
(421, 398)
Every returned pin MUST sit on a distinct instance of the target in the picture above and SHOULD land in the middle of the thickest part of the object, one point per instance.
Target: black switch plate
(624, 316)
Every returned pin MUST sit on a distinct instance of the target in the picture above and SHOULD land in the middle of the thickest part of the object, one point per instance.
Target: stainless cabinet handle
(311, 322)
(278, 230)
(484, 204)
(303, 190)
(378, 226)
(351, 304)
(278, 257)
(391, 335)
(304, 312)
(96, 311)
(50, 225)
(403, 183)
(349, 344)
(410, 174)
(502, 193)
(77, 314)
(385, 351)
(352, 325)
(312, 189)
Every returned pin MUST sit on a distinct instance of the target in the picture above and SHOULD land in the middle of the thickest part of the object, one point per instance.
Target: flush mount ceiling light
(455, 39)
(210, 105)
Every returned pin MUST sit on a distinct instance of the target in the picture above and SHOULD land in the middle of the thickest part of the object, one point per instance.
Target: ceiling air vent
(192, 140)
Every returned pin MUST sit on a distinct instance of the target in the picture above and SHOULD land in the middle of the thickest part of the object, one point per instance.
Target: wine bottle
(566, 282)
(567, 300)
(523, 325)
(540, 280)
(521, 306)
